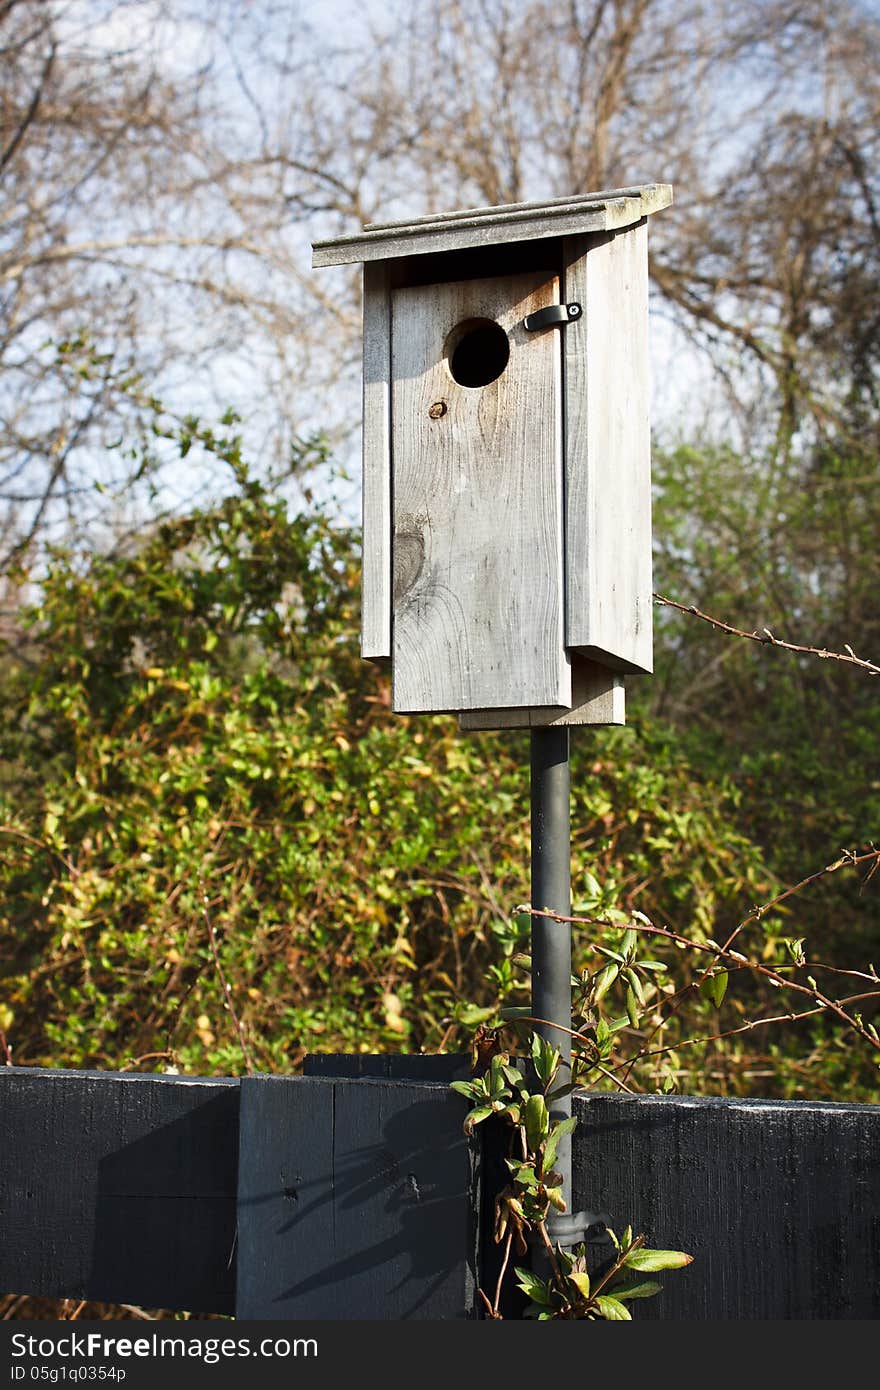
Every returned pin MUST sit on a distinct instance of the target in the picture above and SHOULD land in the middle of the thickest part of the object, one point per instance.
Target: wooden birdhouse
(506, 485)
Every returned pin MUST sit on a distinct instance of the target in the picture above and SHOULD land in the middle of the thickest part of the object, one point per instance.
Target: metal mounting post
(551, 954)
(551, 940)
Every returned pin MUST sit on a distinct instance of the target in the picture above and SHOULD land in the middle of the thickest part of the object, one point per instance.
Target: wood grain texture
(779, 1202)
(597, 697)
(608, 451)
(357, 1201)
(477, 506)
(118, 1187)
(376, 482)
(594, 212)
(652, 198)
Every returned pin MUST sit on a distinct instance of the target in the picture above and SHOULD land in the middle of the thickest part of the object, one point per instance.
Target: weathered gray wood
(118, 1187)
(653, 197)
(777, 1201)
(608, 451)
(477, 542)
(597, 697)
(514, 222)
(376, 485)
(357, 1200)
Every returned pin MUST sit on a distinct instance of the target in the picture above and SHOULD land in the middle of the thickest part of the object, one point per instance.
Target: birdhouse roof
(607, 211)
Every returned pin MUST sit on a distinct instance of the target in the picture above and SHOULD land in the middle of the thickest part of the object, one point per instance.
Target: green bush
(194, 747)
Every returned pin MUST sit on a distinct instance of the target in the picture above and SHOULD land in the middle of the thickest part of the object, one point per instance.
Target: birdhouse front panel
(477, 498)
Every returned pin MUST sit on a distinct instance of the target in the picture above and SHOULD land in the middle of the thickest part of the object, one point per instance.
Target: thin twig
(145, 1057)
(644, 925)
(248, 1061)
(52, 850)
(847, 857)
(618, 1265)
(747, 1027)
(551, 1253)
(766, 638)
(507, 1246)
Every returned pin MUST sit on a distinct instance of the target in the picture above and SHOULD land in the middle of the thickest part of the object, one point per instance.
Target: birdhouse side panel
(608, 451)
(376, 562)
(477, 545)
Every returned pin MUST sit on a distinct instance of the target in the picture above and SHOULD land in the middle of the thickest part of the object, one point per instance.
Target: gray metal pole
(551, 941)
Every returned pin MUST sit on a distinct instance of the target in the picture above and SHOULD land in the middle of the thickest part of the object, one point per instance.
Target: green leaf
(554, 1194)
(545, 1058)
(645, 1290)
(628, 944)
(592, 888)
(464, 1088)
(475, 1116)
(714, 987)
(498, 1088)
(559, 1091)
(604, 980)
(537, 1122)
(611, 1309)
(551, 1147)
(612, 955)
(632, 1007)
(471, 1016)
(535, 1288)
(514, 1076)
(581, 1281)
(652, 1261)
(636, 984)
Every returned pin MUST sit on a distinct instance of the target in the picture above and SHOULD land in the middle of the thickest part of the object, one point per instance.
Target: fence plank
(779, 1202)
(357, 1200)
(118, 1187)
(402, 1066)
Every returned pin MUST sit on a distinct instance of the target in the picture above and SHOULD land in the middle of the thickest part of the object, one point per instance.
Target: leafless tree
(164, 164)
(145, 247)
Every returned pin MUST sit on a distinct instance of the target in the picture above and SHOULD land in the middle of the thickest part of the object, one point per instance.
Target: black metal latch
(552, 317)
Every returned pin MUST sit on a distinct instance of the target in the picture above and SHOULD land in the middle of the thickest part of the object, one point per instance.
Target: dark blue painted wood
(118, 1187)
(779, 1202)
(404, 1066)
(360, 1198)
(357, 1199)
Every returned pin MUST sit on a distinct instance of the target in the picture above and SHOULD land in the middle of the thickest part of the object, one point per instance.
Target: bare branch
(765, 638)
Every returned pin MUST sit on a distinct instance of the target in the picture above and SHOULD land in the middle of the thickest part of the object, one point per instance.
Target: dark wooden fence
(351, 1192)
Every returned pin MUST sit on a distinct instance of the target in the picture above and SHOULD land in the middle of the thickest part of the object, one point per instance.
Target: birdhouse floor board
(597, 699)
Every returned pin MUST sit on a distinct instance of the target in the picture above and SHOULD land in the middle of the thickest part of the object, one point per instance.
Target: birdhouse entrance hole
(477, 351)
